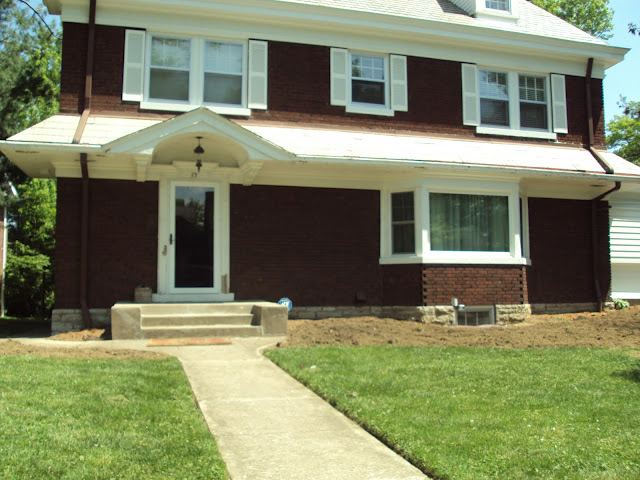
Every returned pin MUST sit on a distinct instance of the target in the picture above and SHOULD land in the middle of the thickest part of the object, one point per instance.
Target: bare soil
(616, 328)
(79, 351)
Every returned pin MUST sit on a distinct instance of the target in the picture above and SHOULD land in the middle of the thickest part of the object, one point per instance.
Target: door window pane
(194, 234)
(469, 222)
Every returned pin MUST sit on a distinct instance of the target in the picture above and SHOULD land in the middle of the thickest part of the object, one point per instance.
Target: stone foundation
(553, 308)
(439, 314)
(70, 319)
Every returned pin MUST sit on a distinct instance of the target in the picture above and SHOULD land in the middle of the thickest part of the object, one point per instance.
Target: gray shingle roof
(532, 20)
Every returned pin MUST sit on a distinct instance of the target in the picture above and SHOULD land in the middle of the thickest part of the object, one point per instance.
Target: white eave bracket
(249, 171)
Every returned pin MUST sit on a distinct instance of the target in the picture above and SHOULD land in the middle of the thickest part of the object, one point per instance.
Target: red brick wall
(561, 251)
(473, 284)
(299, 82)
(123, 231)
(316, 246)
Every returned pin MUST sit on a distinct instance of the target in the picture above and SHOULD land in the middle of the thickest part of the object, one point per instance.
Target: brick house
(357, 157)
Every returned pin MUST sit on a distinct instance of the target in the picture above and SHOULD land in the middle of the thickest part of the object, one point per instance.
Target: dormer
(494, 10)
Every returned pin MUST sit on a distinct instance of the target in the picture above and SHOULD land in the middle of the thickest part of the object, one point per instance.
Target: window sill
(364, 110)
(457, 258)
(184, 107)
(508, 132)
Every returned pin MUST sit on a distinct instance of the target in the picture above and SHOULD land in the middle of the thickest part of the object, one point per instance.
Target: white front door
(193, 241)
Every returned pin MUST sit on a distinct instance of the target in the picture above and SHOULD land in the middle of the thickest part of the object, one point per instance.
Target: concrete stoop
(188, 320)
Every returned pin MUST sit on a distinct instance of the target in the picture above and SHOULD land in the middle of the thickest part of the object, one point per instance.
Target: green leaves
(592, 16)
(623, 132)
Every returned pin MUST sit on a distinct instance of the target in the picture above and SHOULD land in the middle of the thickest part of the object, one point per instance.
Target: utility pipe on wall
(84, 219)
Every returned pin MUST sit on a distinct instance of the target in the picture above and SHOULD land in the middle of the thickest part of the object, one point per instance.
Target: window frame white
(363, 107)
(196, 77)
(518, 253)
(507, 4)
(514, 128)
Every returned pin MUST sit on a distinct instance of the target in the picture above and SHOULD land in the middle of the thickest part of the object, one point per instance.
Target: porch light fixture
(198, 151)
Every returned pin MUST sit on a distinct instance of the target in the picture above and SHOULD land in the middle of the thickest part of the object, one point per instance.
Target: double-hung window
(435, 225)
(369, 79)
(169, 69)
(533, 101)
(497, 4)
(368, 83)
(502, 102)
(168, 72)
(223, 73)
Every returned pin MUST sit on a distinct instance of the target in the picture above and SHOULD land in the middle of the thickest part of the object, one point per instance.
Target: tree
(30, 60)
(29, 276)
(592, 16)
(623, 132)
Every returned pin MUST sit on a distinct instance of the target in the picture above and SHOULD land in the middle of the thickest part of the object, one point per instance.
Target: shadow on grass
(13, 327)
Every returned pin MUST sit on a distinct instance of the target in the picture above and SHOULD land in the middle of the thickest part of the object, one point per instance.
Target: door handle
(171, 239)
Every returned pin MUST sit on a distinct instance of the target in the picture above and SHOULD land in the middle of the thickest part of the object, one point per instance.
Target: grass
(463, 413)
(101, 419)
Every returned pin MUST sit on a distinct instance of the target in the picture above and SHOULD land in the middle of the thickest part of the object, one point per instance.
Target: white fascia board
(53, 6)
(366, 31)
(37, 147)
(438, 165)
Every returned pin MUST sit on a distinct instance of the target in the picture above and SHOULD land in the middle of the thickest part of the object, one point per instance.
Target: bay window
(433, 223)
(460, 222)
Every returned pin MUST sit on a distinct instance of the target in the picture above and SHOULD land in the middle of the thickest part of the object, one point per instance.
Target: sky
(623, 78)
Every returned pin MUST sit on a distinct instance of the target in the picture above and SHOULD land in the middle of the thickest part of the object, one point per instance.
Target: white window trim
(514, 129)
(196, 78)
(368, 108)
(424, 254)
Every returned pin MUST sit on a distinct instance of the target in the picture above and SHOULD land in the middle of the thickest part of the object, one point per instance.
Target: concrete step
(195, 331)
(203, 308)
(176, 319)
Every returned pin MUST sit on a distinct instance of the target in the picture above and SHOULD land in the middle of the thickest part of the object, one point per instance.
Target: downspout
(595, 245)
(84, 219)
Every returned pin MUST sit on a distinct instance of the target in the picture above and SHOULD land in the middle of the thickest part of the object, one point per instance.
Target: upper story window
(169, 69)
(223, 73)
(368, 79)
(513, 103)
(368, 83)
(498, 5)
(165, 72)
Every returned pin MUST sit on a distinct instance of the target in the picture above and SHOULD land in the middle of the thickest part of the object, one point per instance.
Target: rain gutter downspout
(594, 203)
(84, 219)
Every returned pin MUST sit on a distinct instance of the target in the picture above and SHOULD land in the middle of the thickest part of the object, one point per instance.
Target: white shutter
(559, 104)
(258, 67)
(339, 76)
(133, 74)
(399, 96)
(470, 103)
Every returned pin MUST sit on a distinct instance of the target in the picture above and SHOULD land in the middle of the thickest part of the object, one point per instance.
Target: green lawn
(464, 413)
(101, 419)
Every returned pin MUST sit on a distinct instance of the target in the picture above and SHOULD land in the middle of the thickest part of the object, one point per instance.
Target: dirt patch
(81, 351)
(81, 336)
(617, 328)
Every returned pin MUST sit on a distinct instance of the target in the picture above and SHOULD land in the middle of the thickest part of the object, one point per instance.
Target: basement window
(475, 316)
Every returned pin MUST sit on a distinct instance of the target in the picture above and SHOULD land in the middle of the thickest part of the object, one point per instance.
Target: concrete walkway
(270, 427)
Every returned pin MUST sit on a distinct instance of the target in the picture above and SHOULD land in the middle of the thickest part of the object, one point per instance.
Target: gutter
(84, 221)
